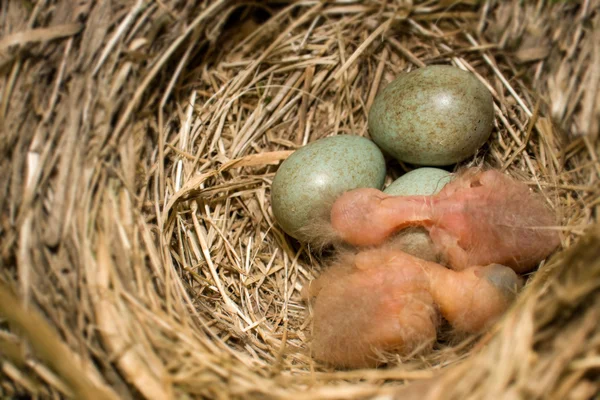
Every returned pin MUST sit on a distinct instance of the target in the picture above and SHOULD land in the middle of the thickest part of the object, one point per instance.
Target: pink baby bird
(480, 218)
(385, 300)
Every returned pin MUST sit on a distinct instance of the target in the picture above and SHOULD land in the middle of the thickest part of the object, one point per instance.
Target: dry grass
(139, 140)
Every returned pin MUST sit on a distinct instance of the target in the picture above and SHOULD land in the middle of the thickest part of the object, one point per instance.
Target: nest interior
(139, 255)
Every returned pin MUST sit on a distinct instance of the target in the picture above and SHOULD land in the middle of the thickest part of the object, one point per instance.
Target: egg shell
(416, 242)
(419, 182)
(436, 115)
(308, 180)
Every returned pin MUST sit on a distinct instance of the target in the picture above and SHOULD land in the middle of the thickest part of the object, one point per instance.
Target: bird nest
(139, 257)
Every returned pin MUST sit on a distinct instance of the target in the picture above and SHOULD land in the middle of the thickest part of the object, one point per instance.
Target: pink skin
(480, 218)
(387, 300)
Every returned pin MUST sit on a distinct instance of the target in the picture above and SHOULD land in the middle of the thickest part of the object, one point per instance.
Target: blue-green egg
(434, 116)
(419, 182)
(308, 180)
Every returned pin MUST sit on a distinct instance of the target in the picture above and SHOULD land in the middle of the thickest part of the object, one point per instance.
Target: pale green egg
(436, 115)
(308, 181)
(419, 182)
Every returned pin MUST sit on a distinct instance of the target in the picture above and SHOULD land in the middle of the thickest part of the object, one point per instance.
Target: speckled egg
(437, 115)
(309, 180)
(421, 181)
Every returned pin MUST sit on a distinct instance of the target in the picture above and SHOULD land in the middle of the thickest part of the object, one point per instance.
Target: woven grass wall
(139, 257)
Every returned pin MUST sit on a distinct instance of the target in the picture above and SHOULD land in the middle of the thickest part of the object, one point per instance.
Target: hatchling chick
(385, 300)
(480, 218)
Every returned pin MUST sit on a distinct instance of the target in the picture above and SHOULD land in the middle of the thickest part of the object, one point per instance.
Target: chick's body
(481, 217)
(385, 300)
(359, 312)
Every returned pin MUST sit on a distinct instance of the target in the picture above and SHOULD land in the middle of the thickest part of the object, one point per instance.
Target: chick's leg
(447, 244)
